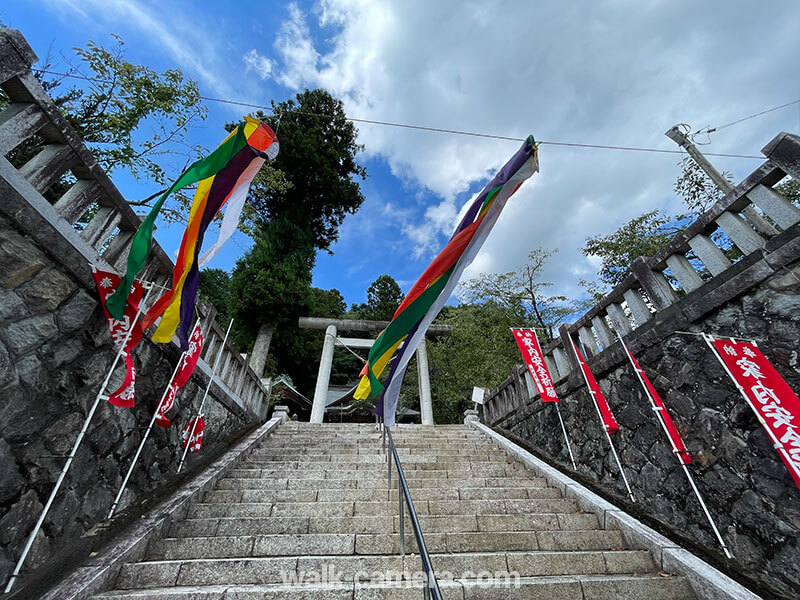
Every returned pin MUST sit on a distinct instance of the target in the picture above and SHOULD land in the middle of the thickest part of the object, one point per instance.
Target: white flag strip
(391, 393)
(233, 210)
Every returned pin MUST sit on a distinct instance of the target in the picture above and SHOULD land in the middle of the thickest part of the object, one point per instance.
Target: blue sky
(609, 72)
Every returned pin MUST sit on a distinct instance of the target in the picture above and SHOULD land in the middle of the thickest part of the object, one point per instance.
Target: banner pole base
(725, 549)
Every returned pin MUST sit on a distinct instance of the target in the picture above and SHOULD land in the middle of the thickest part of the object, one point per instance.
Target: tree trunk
(258, 358)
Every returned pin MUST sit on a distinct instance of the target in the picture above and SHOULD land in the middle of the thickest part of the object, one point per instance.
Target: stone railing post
(654, 284)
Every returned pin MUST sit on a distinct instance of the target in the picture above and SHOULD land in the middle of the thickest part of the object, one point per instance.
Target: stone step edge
(707, 582)
(544, 580)
(395, 533)
(99, 573)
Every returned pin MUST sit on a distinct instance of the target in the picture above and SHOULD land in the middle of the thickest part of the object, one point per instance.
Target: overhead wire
(436, 129)
(753, 116)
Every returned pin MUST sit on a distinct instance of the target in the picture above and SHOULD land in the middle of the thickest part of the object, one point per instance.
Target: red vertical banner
(678, 447)
(188, 362)
(534, 360)
(775, 404)
(609, 422)
(195, 428)
(107, 282)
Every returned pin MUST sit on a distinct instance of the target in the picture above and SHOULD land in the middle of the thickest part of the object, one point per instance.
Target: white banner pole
(603, 425)
(675, 451)
(205, 395)
(566, 437)
(77, 443)
(146, 435)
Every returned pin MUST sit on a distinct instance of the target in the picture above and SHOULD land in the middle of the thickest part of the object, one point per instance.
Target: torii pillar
(332, 326)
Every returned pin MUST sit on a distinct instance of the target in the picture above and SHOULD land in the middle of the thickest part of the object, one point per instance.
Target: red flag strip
(534, 359)
(188, 361)
(107, 282)
(195, 427)
(609, 422)
(678, 447)
(775, 404)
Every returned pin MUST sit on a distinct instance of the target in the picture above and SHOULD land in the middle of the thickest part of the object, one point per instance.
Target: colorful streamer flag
(195, 427)
(534, 359)
(224, 175)
(429, 294)
(124, 396)
(188, 362)
(678, 447)
(609, 422)
(775, 404)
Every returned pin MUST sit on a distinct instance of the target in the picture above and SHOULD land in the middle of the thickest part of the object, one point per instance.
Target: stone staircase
(308, 515)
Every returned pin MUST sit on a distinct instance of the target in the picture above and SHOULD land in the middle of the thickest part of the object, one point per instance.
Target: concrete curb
(100, 572)
(706, 581)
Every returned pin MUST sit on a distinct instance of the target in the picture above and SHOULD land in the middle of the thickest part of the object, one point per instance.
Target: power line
(438, 129)
(758, 114)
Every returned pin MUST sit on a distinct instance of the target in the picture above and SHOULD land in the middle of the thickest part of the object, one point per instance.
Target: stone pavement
(309, 515)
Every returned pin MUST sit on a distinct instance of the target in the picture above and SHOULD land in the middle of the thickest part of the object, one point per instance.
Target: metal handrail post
(431, 585)
(402, 524)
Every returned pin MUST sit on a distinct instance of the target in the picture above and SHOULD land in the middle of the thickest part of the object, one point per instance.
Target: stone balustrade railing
(108, 222)
(754, 218)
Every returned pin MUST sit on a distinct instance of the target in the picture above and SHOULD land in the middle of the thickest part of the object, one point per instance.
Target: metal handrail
(431, 587)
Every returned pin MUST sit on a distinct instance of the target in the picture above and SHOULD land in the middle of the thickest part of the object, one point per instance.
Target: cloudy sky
(600, 72)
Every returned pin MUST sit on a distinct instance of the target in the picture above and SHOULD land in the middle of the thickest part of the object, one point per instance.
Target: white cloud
(608, 73)
(295, 47)
(260, 65)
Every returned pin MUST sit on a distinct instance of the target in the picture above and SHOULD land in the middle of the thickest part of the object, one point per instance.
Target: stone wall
(54, 353)
(746, 485)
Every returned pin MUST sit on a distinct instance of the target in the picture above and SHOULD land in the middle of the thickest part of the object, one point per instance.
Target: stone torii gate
(333, 326)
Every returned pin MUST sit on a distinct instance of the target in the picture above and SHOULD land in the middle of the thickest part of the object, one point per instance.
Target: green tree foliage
(318, 181)
(480, 352)
(695, 188)
(642, 236)
(129, 115)
(790, 188)
(383, 297)
(271, 283)
(523, 292)
(214, 287)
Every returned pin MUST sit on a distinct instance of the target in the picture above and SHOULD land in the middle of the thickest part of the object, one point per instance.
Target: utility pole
(750, 213)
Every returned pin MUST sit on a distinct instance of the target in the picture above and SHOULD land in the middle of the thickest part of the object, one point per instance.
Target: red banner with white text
(609, 422)
(199, 425)
(106, 284)
(775, 404)
(534, 359)
(188, 362)
(678, 447)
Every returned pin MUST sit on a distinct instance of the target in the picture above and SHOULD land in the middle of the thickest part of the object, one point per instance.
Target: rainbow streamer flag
(429, 294)
(222, 176)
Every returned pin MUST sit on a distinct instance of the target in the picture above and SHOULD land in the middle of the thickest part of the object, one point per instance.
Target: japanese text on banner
(773, 401)
(534, 360)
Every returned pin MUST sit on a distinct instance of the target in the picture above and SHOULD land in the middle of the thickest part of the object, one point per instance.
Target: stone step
(446, 449)
(545, 523)
(371, 483)
(278, 569)
(596, 587)
(495, 523)
(258, 473)
(372, 508)
(412, 470)
(374, 495)
(238, 546)
(407, 462)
